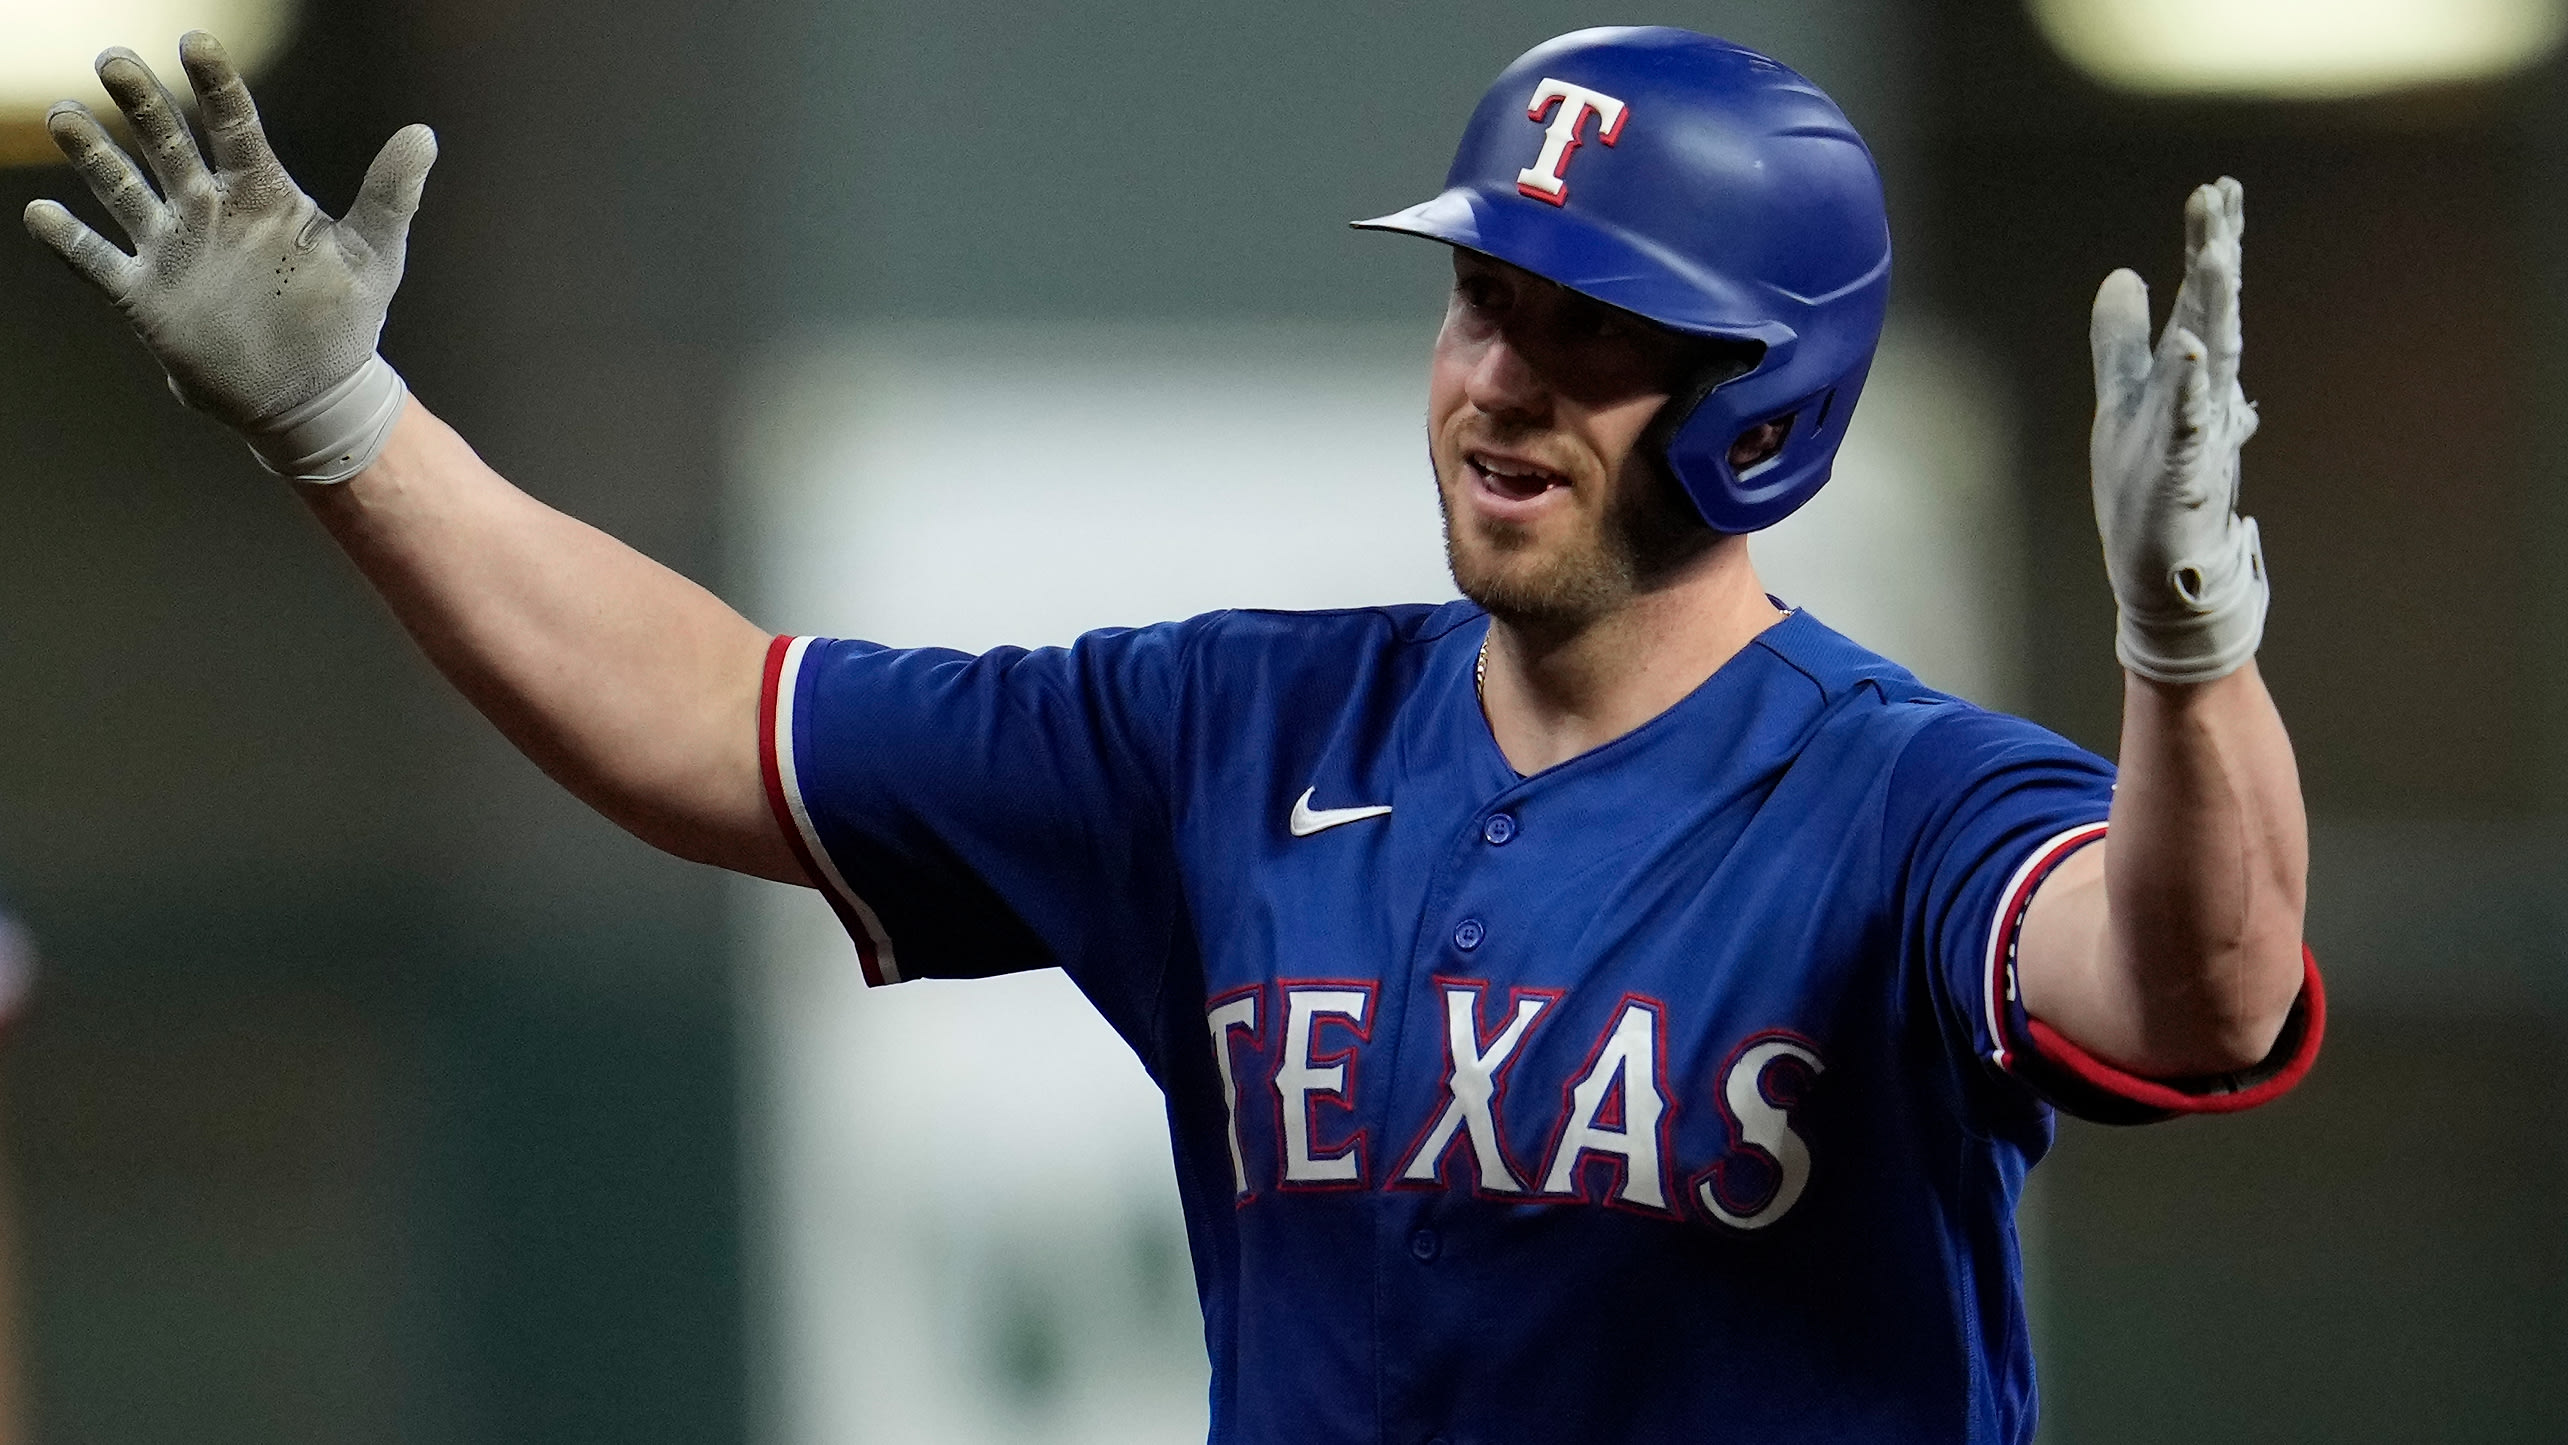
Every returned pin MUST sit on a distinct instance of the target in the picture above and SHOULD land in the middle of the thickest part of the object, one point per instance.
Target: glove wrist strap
(337, 434)
(2203, 642)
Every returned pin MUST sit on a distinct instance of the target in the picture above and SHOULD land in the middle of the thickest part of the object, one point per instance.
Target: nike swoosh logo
(1308, 820)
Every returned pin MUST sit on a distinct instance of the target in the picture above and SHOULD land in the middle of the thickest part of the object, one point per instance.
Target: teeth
(1516, 471)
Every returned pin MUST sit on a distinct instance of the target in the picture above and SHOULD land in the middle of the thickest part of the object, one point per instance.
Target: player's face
(1557, 506)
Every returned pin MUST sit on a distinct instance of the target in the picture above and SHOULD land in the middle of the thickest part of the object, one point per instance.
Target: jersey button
(1468, 933)
(1424, 1244)
(1498, 829)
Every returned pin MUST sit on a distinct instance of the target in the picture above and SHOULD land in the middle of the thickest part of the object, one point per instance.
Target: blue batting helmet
(1706, 188)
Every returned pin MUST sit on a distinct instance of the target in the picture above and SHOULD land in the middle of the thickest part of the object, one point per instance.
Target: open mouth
(1512, 478)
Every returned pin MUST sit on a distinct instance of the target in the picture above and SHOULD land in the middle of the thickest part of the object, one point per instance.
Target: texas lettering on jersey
(1682, 1064)
(1618, 1110)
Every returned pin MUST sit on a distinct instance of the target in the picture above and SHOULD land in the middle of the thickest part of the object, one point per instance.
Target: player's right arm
(631, 685)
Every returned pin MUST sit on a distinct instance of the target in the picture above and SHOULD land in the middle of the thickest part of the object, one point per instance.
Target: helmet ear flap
(1761, 446)
(1717, 360)
(1676, 434)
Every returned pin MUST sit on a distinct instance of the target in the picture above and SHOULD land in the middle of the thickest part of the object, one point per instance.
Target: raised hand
(2187, 570)
(263, 310)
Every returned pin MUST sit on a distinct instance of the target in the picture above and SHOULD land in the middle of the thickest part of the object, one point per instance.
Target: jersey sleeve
(976, 815)
(1990, 805)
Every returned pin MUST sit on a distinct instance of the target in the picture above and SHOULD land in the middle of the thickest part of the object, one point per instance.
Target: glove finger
(2206, 231)
(93, 256)
(2185, 373)
(2118, 340)
(158, 124)
(107, 170)
(2201, 204)
(241, 154)
(2213, 276)
(390, 196)
(2240, 422)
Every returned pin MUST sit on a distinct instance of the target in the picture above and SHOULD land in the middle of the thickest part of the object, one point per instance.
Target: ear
(1759, 443)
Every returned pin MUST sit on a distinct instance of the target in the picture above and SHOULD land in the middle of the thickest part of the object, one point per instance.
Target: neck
(1554, 691)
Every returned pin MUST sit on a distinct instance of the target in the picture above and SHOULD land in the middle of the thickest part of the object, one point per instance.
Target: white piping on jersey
(787, 690)
(1999, 975)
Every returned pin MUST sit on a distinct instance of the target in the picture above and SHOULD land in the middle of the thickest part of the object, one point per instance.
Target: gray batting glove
(262, 309)
(2187, 570)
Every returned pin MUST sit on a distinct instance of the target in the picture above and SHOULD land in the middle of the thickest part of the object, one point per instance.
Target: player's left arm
(2173, 948)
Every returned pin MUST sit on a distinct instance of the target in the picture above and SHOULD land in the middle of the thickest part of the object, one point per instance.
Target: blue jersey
(1675, 1092)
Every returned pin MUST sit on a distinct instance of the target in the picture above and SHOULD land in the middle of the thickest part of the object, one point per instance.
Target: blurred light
(2298, 49)
(52, 46)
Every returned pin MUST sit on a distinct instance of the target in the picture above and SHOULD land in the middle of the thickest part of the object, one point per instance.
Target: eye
(1590, 319)
(1576, 318)
(1479, 293)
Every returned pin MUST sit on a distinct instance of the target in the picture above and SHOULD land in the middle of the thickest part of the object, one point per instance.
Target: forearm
(634, 687)
(2173, 948)
(2176, 950)
(629, 684)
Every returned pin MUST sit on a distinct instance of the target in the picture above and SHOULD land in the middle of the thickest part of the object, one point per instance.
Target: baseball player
(1613, 1007)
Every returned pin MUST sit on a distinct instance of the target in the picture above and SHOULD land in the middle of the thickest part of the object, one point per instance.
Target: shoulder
(1159, 662)
(1215, 674)
(1269, 647)
(1962, 738)
(1240, 632)
(1256, 629)
(1841, 669)
(1965, 770)
(1930, 744)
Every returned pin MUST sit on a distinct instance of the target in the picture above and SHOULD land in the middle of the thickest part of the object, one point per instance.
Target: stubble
(1645, 536)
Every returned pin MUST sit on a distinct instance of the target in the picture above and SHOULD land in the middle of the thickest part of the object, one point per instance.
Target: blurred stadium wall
(373, 1091)
(377, 1092)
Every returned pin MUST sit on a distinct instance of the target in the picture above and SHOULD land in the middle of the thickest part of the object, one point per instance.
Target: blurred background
(371, 1090)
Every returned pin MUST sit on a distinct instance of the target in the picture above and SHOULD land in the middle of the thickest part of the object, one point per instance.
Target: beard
(1647, 534)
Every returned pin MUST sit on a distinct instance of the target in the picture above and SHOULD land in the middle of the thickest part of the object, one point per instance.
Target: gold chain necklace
(1480, 673)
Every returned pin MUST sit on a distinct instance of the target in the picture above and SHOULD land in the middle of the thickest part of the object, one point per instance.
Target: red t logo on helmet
(1547, 179)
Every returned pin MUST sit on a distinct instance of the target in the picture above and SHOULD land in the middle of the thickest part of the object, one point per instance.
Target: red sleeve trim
(2087, 1086)
(779, 768)
(1998, 998)
(2283, 1067)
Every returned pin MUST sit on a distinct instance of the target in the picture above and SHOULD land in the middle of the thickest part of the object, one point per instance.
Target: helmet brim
(1599, 261)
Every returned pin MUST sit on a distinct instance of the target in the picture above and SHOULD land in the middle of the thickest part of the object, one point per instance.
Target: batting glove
(262, 309)
(2187, 570)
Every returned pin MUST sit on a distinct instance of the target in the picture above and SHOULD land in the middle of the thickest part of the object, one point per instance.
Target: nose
(1503, 383)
